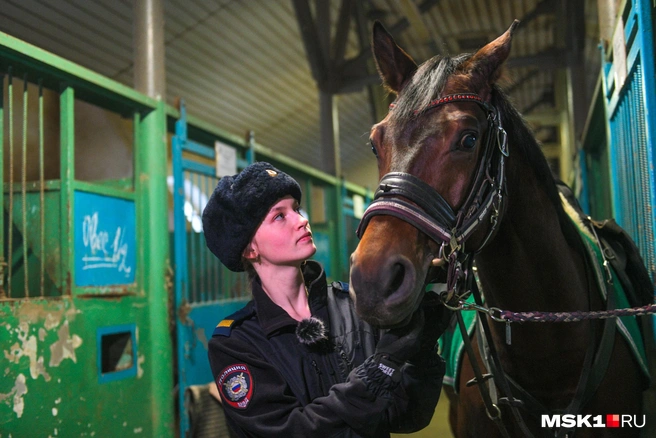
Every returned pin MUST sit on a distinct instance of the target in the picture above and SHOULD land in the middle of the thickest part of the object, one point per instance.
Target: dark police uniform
(273, 385)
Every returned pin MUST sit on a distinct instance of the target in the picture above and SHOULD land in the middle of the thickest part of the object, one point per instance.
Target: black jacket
(272, 385)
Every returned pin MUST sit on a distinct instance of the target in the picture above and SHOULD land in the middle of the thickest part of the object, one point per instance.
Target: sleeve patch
(236, 386)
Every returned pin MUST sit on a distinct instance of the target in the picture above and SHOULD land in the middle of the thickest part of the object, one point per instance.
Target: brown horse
(443, 154)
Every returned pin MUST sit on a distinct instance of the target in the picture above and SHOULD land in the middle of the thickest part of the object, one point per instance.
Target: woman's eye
(468, 141)
(279, 216)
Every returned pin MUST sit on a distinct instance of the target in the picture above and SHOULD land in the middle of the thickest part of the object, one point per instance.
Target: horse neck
(530, 265)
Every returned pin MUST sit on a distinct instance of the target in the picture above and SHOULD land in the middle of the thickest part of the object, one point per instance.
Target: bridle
(410, 199)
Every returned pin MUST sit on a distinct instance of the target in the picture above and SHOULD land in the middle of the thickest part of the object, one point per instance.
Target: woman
(297, 361)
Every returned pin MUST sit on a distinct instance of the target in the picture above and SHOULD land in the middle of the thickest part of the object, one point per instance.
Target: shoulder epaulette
(225, 326)
(341, 285)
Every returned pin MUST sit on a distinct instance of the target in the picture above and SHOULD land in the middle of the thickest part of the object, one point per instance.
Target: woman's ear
(250, 254)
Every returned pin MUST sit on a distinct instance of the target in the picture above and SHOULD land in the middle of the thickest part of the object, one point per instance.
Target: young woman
(297, 360)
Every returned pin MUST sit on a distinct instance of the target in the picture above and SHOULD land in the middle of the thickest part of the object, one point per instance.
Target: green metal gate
(85, 339)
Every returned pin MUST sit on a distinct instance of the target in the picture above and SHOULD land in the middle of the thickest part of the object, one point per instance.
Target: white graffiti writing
(96, 241)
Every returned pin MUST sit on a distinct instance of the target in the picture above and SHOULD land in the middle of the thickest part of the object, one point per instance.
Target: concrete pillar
(148, 37)
(329, 120)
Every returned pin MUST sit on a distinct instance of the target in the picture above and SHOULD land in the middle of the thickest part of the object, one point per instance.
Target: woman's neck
(286, 288)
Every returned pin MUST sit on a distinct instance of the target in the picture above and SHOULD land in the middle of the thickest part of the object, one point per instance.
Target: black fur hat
(237, 207)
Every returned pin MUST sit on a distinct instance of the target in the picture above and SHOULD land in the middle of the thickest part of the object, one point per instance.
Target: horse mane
(427, 84)
(523, 142)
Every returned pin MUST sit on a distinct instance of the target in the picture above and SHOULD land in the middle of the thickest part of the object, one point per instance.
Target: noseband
(410, 199)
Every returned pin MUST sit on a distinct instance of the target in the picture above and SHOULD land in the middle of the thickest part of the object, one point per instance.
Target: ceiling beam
(353, 84)
(375, 92)
(342, 31)
(543, 117)
(322, 20)
(353, 65)
(551, 58)
(521, 81)
(311, 41)
(542, 8)
(426, 34)
(547, 96)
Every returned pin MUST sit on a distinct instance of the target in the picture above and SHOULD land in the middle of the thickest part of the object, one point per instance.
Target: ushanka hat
(238, 206)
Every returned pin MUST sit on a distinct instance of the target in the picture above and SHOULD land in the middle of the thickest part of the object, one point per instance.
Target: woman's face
(284, 236)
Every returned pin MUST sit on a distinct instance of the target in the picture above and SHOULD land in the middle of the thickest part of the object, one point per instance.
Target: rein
(507, 316)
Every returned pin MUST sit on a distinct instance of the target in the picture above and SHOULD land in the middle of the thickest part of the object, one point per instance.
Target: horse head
(434, 150)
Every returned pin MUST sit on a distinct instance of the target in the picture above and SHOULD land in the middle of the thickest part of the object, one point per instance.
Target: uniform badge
(236, 385)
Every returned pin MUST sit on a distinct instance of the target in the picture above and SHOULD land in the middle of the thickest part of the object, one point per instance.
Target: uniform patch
(225, 323)
(236, 386)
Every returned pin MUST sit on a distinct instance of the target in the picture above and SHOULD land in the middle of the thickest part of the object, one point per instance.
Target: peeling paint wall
(50, 373)
(31, 334)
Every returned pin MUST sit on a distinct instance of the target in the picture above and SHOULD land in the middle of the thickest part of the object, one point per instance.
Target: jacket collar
(273, 318)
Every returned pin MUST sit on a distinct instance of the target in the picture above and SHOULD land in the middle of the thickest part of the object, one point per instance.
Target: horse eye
(468, 141)
(373, 148)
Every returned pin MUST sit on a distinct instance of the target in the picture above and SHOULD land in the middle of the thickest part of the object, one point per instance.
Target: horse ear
(488, 60)
(394, 66)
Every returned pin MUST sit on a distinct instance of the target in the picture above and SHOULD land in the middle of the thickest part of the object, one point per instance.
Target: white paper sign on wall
(226, 159)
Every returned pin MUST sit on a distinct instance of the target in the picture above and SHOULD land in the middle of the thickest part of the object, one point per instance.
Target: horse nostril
(398, 275)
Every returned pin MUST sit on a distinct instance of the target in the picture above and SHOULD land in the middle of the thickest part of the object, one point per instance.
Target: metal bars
(200, 277)
(209, 281)
(24, 191)
(10, 250)
(41, 194)
(628, 84)
(633, 207)
(23, 196)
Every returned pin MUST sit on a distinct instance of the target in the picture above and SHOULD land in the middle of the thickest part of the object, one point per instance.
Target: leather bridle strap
(406, 185)
(499, 376)
(492, 410)
(408, 198)
(407, 212)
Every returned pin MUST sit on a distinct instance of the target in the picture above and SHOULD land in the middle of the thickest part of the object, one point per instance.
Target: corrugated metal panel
(241, 65)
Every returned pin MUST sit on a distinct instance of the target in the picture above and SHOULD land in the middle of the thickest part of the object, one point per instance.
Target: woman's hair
(248, 268)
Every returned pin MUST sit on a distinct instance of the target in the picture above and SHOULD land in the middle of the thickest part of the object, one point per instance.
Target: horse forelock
(426, 85)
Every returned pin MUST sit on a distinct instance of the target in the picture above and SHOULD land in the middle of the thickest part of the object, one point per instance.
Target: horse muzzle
(385, 285)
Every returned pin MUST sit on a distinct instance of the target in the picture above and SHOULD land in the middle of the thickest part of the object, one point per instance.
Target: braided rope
(509, 316)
